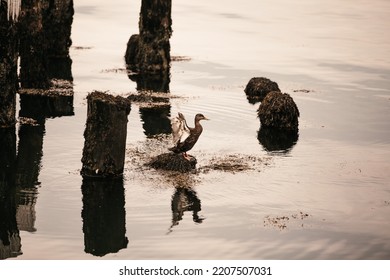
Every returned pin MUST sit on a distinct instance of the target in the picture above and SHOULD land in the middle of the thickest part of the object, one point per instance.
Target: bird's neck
(198, 126)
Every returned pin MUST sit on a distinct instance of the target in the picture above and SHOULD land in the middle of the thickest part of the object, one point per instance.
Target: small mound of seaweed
(173, 162)
(150, 98)
(234, 163)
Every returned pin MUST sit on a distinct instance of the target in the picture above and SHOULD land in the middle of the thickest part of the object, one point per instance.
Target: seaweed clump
(173, 162)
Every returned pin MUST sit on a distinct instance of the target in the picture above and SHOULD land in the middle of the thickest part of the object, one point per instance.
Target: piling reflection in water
(104, 216)
(276, 140)
(28, 165)
(48, 104)
(10, 242)
(185, 199)
(155, 120)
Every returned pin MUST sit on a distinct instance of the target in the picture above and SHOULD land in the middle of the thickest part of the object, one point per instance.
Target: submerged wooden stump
(278, 110)
(105, 135)
(173, 162)
(258, 88)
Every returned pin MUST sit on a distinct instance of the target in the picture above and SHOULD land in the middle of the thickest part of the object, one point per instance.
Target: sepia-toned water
(325, 195)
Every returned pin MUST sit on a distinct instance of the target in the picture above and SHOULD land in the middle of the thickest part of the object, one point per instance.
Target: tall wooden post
(8, 67)
(57, 21)
(33, 59)
(149, 52)
(105, 135)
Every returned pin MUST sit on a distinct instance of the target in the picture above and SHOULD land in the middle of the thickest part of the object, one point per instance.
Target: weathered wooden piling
(33, 58)
(8, 67)
(104, 216)
(58, 19)
(278, 110)
(105, 135)
(258, 88)
(149, 52)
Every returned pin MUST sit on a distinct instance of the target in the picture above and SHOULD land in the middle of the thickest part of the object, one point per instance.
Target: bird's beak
(206, 119)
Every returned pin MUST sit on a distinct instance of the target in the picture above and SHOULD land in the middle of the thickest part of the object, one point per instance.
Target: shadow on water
(185, 199)
(10, 242)
(104, 216)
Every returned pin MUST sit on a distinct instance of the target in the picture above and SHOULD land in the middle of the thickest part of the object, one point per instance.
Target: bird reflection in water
(185, 199)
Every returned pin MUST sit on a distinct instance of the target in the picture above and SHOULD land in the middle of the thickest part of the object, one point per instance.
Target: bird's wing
(180, 130)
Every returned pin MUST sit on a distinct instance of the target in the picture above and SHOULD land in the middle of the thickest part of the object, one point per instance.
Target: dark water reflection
(277, 140)
(40, 107)
(104, 216)
(185, 199)
(10, 242)
(155, 120)
(28, 166)
(150, 82)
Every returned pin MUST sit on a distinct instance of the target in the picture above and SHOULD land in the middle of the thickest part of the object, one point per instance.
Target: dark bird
(184, 137)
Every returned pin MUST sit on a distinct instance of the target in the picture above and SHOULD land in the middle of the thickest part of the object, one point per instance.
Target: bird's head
(199, 117)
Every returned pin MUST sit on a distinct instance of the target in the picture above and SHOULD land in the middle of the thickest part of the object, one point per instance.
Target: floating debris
(234, 163)
(179, 58)
(282, 222)
(151, 98)
(303, 90)
(81, 48)
(116, 70)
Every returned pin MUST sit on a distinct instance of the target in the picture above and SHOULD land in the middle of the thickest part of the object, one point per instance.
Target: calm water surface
(327, 196)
